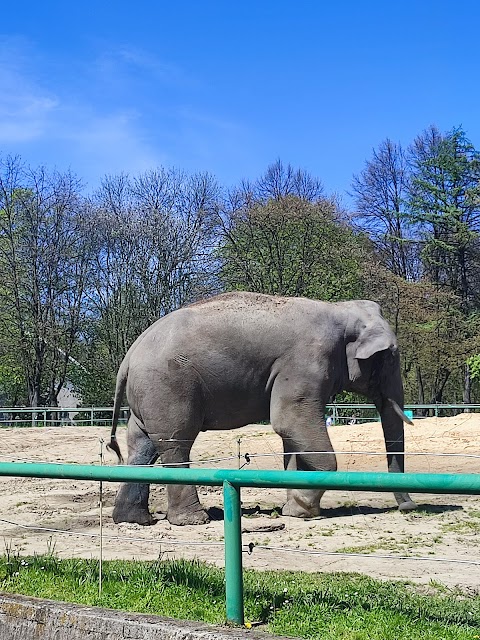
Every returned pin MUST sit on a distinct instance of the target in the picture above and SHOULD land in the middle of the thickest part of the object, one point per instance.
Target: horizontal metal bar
(59, 409)
(361, 405)
(352, 480)
(338, 405)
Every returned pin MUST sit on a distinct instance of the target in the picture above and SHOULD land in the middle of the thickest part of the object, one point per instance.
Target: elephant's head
(373, 362)
(373, 358)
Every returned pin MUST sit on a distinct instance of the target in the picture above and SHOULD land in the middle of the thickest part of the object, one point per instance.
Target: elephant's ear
(371, 340)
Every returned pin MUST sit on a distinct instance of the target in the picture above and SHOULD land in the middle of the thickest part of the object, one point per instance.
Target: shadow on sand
(216, 513)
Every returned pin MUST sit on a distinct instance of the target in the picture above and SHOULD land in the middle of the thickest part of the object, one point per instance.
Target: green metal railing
(233, 480)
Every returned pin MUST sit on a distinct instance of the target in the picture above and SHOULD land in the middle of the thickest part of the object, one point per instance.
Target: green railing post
(233, 553)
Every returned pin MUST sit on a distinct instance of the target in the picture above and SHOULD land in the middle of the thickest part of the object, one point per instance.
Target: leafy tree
(445, 203)
(422, 211)
(12, 381)
(474, 364)
(435, 336)
(289, 246)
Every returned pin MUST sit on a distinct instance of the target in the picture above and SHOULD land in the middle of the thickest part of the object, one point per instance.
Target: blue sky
(230, 86)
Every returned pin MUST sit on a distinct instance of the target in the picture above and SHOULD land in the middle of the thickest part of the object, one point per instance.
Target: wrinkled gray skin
(240, 358)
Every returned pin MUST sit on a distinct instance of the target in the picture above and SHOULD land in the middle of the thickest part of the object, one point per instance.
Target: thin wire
(247, 548)
(365, 555)
(118, 538)
(159, 464)
(368, 453)
(282, 454)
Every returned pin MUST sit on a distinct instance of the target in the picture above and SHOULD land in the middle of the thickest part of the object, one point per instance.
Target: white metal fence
(339, 413)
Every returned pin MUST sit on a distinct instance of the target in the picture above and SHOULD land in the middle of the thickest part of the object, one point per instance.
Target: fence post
(233, 553)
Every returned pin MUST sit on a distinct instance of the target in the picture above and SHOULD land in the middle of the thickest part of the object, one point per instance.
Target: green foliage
(337, 606)
(288, 246)
(12, 381)
(92, 371)
(445, 202)
(474, 364)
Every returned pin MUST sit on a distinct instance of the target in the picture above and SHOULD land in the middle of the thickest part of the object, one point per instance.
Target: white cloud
(96, 118)
(25, 107)
(110, 144)
(62, 130)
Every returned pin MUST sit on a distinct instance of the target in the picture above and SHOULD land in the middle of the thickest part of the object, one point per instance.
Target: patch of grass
(326, 532)
(391, 543)
(464, 527)
(335, 606)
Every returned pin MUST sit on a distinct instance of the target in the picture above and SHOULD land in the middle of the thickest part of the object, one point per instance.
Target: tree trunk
(467, 388)
(421, 391)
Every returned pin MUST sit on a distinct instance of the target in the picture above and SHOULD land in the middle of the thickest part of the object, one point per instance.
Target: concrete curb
(24, 618)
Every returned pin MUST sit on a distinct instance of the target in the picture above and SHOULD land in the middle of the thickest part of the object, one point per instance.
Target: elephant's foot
(405, 503)
(409, 505)
(181, 518)
(296, 510)
(131, 504)
(302, 505)
(136, 516)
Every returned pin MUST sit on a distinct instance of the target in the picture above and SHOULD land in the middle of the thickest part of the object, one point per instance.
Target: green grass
(334, 606)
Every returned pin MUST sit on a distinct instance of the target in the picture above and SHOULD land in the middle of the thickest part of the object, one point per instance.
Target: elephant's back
(236, 323)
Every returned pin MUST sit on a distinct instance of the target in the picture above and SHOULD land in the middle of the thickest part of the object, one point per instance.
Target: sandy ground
(358, 524)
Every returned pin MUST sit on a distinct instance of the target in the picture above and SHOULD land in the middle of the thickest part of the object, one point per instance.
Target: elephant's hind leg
(183, 504)
(184, 418)
(131, 502)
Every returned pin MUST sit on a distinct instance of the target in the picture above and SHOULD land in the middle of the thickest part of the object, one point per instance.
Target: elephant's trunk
(392, 417)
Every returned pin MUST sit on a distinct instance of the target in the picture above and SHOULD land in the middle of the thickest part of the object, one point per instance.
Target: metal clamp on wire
(247, 460)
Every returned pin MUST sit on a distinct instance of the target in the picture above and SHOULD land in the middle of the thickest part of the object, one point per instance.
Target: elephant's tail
(122, 376)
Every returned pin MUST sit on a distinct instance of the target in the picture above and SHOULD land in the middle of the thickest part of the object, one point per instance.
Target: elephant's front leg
(300, 422)
(131, 502)
(301, 503)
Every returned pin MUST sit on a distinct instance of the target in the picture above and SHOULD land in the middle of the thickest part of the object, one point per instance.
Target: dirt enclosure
(358, 524)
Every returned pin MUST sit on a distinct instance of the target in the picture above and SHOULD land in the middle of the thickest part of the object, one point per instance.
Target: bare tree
(278, 181)
(381, 195)
(154, 236)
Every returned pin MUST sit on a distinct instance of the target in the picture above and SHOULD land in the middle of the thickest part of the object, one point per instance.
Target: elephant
(239, 358)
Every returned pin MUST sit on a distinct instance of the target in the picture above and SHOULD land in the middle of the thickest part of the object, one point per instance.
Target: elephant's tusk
(399, 412)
